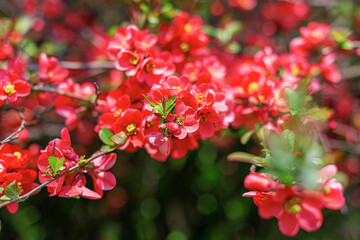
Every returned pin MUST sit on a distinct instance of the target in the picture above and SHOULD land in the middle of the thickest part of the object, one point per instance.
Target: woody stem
(74, 168)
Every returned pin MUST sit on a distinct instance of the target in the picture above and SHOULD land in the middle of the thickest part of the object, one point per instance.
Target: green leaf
(299, 97)
(263, 135)
(320, 114)
(144, 8)
(246, 137)
(152, 103)
(158, 110)
(288, 139)
(107, 148)
(112, 30)
(119, 138)
(339, 36)
(241, 157)
(154, 20)
(56, 164)
(105, 136)
(11, 190)
(23, 24)
(170, 104)
(157, 107)
(347, 45)
(5, 198)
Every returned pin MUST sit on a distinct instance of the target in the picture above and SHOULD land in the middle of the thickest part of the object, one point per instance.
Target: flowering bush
(164, 84)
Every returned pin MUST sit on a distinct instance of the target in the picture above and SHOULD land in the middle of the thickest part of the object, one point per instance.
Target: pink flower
(333, 190)
(11, 85)
(103, 180)
(77, 188)
(50, 69)
(129, 62)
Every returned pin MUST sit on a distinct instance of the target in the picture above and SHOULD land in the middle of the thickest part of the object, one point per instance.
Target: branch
(78, 65)
(74, 168)
(323, 138)
(54, 90)
(351, 72)
(15, 134)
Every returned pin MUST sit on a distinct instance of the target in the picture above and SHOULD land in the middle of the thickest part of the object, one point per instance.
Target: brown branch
(74, 168)
(323, 138)
(78, 65)
(97, 91)
(15, 134)
(351, 72)
(54, 90)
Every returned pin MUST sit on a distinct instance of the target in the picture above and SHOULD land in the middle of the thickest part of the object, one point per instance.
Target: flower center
(135, 60)
(131, 129)
(295, 71)
(200, 98)
(327, 190)
(19, 188)
(118, 112)
(252, 87)
(177, 87)
(180, 120)
(184, 46)
(9, 89)
(292, 206)
(149, 66)
(17, 155)
(187, 27)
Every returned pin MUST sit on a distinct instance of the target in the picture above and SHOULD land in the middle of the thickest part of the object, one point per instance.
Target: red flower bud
(259, 182)
(173, 128)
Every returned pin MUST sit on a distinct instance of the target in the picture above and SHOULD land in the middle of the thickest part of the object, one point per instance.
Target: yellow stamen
(131, 129)
(200, 98)
(180, 120)
(177, 87)
(187, 27)
(252, 87)
(293, 205)
(17, 155)
(135, 60)
(149, 66)
(118, 112)
(9, 89)
(185, 47)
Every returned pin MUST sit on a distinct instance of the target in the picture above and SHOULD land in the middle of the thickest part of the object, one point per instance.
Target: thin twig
(97, 91)
(74, 168)
(323, 139)
(54, 90)
(351, 72)
(15, 134)
(78, 65)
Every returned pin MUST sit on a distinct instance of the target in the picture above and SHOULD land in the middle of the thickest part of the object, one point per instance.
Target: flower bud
(173, 128)
(259, 182)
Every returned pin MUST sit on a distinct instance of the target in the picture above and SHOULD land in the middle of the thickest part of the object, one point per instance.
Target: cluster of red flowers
(295, 206)
(74, 185)
(17, 174)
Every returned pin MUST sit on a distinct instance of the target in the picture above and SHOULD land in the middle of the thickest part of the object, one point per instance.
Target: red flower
(75, 186)
(11, 84)
(333, 190)
(14, 167)
(315, 33)
(128, 61)
(50, 70)
(131, 124)
(103, 180)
